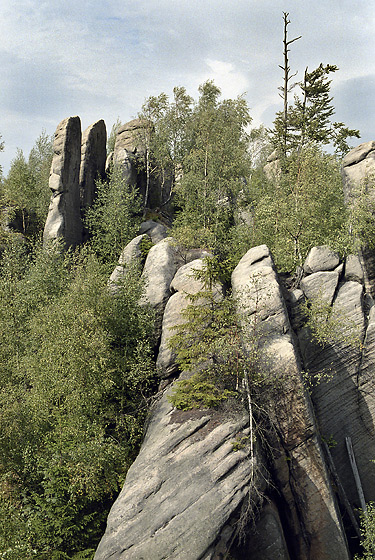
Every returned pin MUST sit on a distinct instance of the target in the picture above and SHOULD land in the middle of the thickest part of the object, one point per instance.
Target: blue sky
(101, 59)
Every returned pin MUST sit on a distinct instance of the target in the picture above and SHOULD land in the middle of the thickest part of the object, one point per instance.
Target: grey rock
(64, 217)
(353, 269)
(321, 285)
(358, 166)
(128, 164)
(185, 280)
(340, 373)
(109, 163)
(321, 258)
(93, 158)
(301, 474)
(294, 301)
(130, 254)
(131, 137)
(158, 272)
(155, 230)
(358, 154)
(182, 489)
(184, 284)
(166, 360)
(266, 541)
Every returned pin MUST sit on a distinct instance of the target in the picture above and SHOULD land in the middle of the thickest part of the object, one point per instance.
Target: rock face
(181, 490)
(358, 165)
(130, 153)
(188, 481)
(130, 254)
(340, 373)
(64, 218)
(298, 460)
(183, 284)
(93, 156)
(183, 494)
(158, 272)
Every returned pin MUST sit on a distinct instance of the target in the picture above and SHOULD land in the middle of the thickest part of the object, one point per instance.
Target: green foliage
(25, 188)
(112, 220)
(199, 391)
(308, 121)
(240, 443)
(165, 136)
(329, 325)
(75, 375)
(367, 533)
(300, 208)
(361, 211)
(145, 246)
(214, 167)
(112, 136)
(207, 345)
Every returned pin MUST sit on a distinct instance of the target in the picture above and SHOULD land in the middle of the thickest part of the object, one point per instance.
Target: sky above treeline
(102, 58)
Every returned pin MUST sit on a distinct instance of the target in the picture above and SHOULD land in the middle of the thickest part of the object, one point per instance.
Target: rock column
(64, 218)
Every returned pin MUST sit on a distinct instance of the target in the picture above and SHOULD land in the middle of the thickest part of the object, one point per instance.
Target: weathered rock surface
(321, 285)
(129, 254)
(320, 259)
(64, 218)
(298, 460)
(353, 269)
(93, 157)
(340, 372)
(131, 137)
(155, 230)
(183, 284)
(358, 165)
(184, 486)
(266, 540)
(158, 272)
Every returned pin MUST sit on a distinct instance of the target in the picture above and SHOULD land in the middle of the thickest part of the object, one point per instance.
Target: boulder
(298, 461)
(166, 360)
(359, 165)
(353, 269)
(358, 154)
(184, 284)
(93, 158)
(64, 217)
(130, 153)
(185, 279)
(155, 230)
(158, 272)
(130, 254)
(131, 137)
(321, 259)
(321, 285)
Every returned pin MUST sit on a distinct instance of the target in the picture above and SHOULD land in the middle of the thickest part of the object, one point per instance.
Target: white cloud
(231, 82)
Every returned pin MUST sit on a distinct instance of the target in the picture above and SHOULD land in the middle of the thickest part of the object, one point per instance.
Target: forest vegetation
(76, 361)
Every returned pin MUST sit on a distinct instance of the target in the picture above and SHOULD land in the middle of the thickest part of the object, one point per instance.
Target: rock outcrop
(340, 371)
(93, 157)
(188, 482)
(297, 457)
(64, 217)
(358, 166)
(130, 152)
(184, 494)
